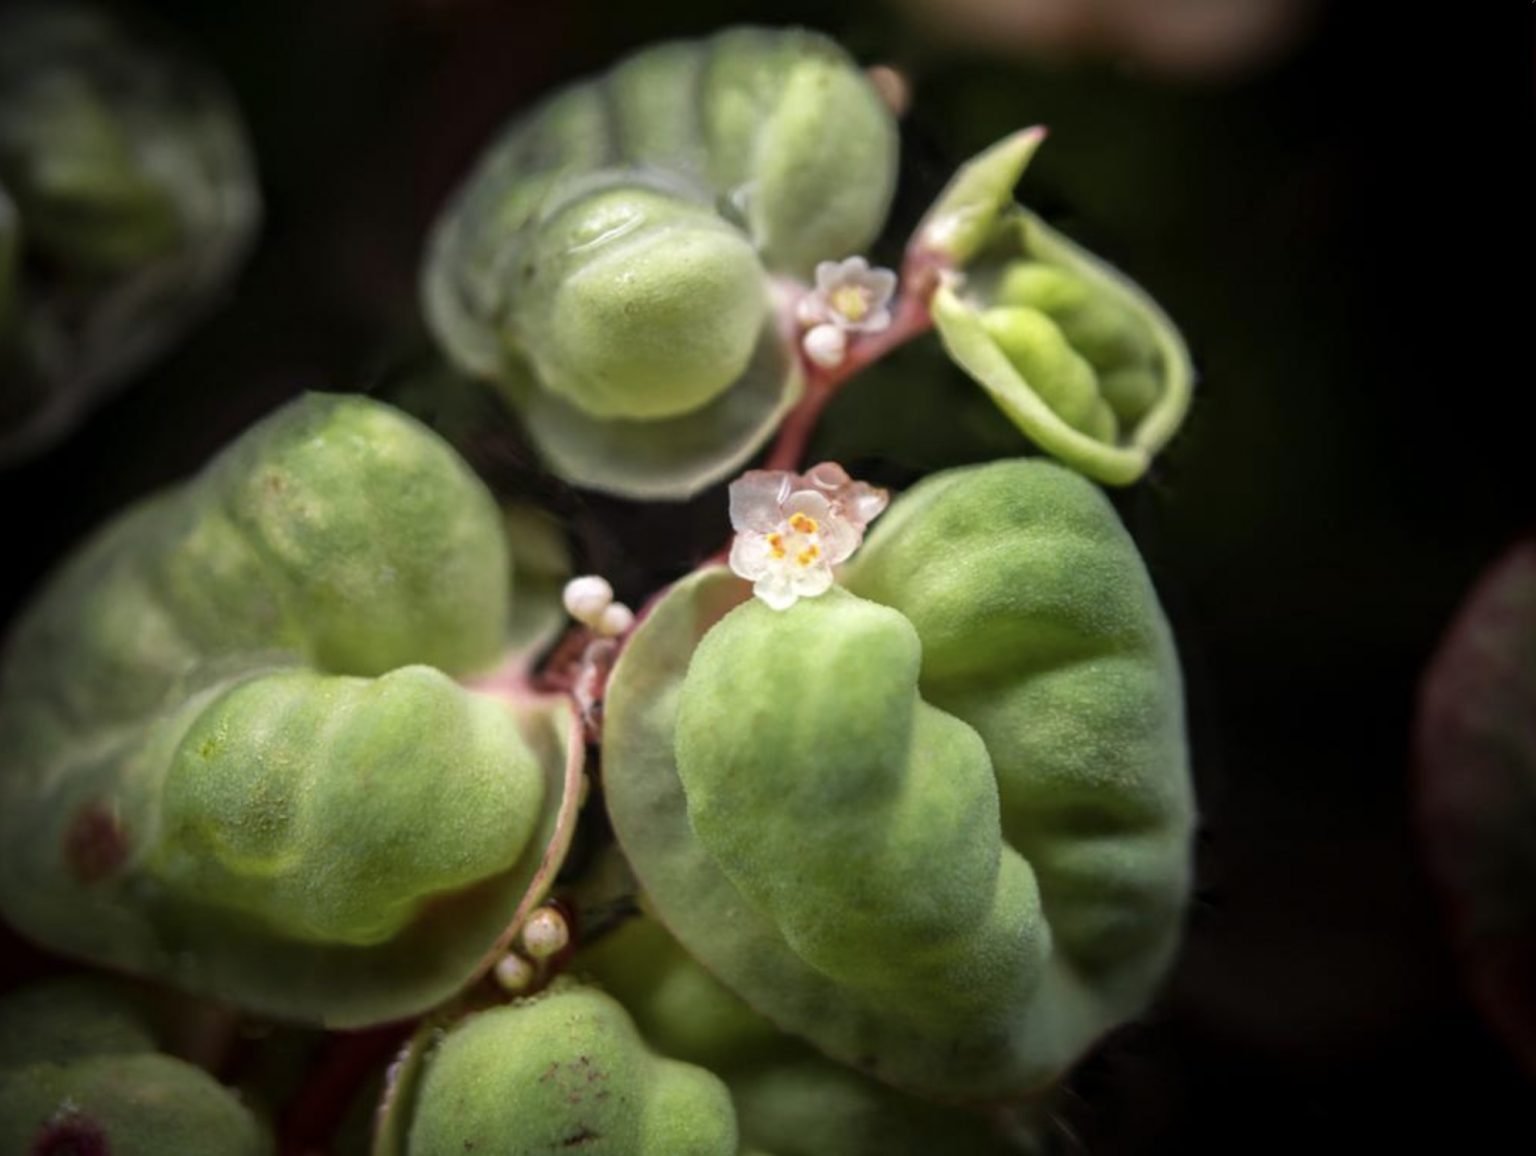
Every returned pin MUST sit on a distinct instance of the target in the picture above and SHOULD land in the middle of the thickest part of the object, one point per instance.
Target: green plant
(908, 820)
(126, 179)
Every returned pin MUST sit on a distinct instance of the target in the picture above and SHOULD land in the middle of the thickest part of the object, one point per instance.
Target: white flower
(792, 529)
(850, 295)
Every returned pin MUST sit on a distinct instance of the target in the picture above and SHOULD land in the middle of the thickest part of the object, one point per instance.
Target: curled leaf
(963, 220)
(609, 261)
(789, 1100)
(81, 1071)
(1077, 356)
(946, 837)
(233, 759)
(562, 1070)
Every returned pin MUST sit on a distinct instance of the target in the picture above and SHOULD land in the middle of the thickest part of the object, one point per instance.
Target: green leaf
(789, 1099)
(129, 167)
(1078, 357)
(610, 260)
(963, 220)
(674, 458)
(80, 1072)
(564, 1069)
(541, 564)
(233, 759)
(946, 837)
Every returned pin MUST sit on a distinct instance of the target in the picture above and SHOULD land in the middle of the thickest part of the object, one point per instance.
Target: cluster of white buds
(850, 297)
(545, 934)
(589, 600)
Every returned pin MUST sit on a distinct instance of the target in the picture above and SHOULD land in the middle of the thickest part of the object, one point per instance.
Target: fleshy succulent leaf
(291, 612)
(80, 1071)
(671, 458)
(789, 1099)
(564, 1069)
(541, 563)
(1082, 360)
(946, 840)
(963, 220)
(609, 263)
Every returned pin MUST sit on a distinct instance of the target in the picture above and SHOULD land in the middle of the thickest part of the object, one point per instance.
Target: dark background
(1343, 235)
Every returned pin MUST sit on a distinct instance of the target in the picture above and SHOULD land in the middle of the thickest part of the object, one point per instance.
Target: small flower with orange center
(850, 297)
(851, 294)
(792, 529)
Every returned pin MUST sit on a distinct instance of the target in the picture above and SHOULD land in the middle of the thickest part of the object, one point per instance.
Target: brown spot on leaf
(71, 1135)
(582, 1135)
(95, 843)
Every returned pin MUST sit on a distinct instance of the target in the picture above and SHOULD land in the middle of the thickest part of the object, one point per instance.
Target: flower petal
(811, 310)
(811, 503)
(755, 499)
(777, 590)
(829, 274)
(828, 477)
(812, 581)
(839, 539)
(751, 556)
(882, 283)
(879, 318)
(862, 503)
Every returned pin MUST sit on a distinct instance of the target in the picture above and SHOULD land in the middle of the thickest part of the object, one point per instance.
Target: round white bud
(825, 345)
(587, 597)
(616, 619)
(545, 934)
(515, 974)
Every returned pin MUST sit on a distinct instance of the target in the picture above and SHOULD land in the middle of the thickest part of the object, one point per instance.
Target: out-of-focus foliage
(134, 200)
(81, 1072)
(1477, 791)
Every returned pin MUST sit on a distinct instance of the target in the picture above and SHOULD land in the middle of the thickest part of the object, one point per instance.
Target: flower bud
(587, 597)
(545, 934)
